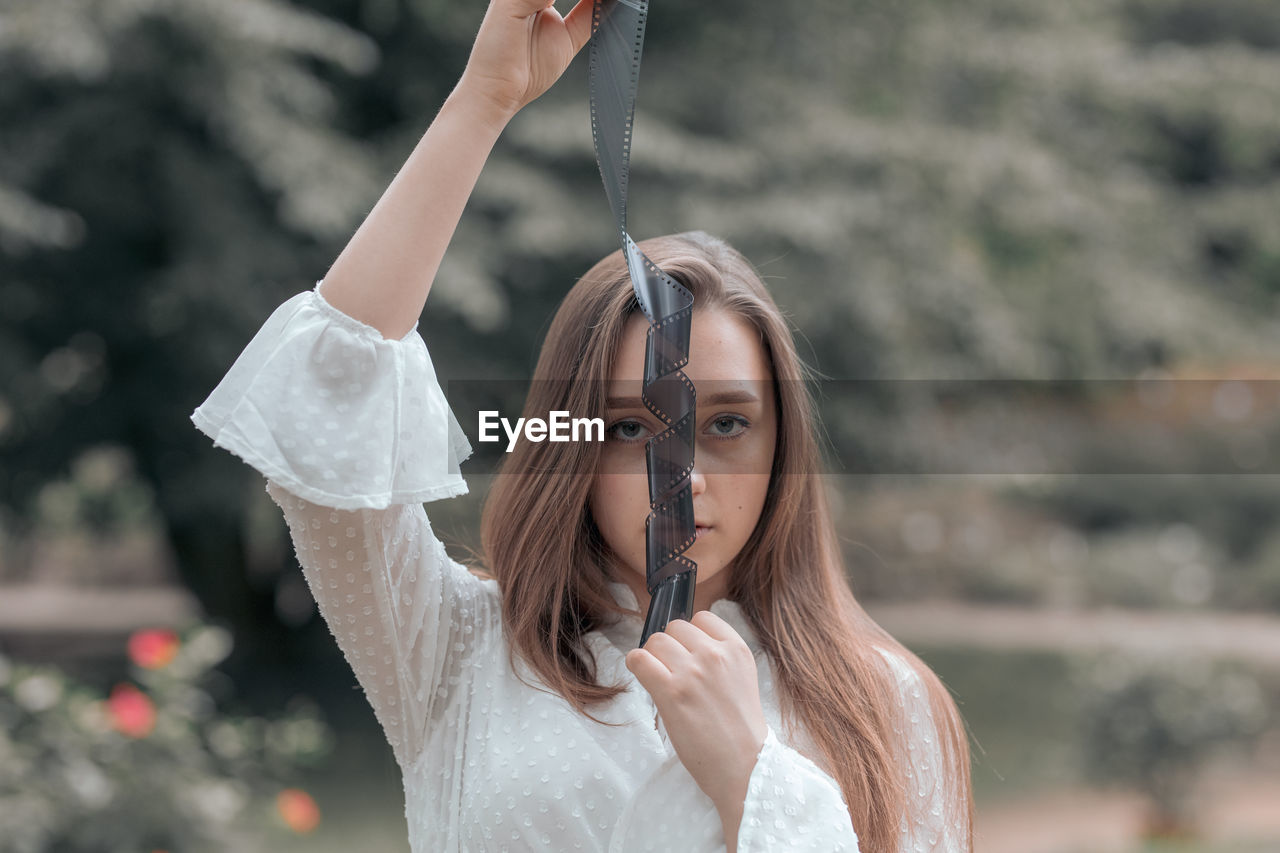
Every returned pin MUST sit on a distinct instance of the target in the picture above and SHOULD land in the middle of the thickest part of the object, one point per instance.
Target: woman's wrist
(480, 107)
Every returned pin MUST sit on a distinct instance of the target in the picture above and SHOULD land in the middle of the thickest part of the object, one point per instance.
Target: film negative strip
(617, 40)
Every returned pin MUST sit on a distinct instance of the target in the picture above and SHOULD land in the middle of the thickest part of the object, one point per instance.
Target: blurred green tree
(1153, 725)
(168, 168)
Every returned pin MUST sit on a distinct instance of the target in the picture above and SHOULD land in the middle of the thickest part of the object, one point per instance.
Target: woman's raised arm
(385, 272)
(336, 402)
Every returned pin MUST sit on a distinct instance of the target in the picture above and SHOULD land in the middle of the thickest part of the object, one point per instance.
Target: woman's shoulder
(904, 668)
(896, 660)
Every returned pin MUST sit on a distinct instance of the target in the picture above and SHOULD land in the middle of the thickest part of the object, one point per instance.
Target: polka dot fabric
(353, 433)
(325, 406)
(924, 828)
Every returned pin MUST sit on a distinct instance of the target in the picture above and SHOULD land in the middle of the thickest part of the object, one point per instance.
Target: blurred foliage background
(1008, 189)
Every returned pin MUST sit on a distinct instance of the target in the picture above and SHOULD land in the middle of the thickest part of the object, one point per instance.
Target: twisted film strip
(617, 39)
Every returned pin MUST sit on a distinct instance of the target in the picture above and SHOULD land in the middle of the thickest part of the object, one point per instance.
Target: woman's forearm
(383, 275)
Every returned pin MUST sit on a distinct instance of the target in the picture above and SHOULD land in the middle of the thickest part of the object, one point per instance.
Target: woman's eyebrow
(715, 399)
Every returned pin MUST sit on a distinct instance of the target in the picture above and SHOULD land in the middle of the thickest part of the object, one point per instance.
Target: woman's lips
(699, 530)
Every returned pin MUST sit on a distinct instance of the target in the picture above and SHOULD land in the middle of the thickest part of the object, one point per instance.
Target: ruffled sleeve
(328, 408)
(792, 805)
(353, 433)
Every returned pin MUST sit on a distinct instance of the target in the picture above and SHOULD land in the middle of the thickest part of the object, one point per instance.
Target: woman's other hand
(703, 679)
(523, 46)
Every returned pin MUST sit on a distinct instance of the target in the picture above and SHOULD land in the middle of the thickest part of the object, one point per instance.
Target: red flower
(153, 648)
(132, 711)
(299, 811)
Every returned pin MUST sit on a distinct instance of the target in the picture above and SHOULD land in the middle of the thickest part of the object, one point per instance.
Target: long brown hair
(540, 543)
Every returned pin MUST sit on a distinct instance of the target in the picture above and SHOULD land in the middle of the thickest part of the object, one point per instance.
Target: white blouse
(353, 434)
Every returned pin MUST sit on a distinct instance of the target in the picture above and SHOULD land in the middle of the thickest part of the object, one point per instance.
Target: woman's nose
(697, 482)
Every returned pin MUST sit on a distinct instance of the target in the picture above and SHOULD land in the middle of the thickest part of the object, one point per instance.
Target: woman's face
(735, 430)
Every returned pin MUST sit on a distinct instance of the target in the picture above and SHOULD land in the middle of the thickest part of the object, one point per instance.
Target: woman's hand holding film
(703, 679)
(523, 46)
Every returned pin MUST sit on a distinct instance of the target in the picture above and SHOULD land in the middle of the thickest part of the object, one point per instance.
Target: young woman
(780, 717)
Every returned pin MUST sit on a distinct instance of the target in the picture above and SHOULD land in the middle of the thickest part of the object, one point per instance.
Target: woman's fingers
(714, 626)
(525, 8)
(578, 23)
(691, 636)
(649, 670)
(669, 649)
(672, 650)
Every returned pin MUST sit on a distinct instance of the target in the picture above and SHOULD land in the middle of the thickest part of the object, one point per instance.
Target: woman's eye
(725, 426)
(729, 426)
(627, 430)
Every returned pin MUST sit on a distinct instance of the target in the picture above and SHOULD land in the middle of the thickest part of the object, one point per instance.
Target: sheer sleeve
(353, 433)
(927, 826)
